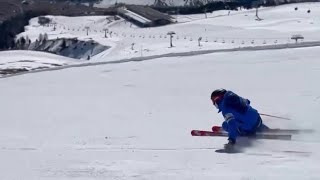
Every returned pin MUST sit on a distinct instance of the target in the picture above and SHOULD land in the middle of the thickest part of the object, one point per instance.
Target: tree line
(13, 26)
(223, 5)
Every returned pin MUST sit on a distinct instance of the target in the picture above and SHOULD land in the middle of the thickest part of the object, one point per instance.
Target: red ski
(277, 131)
(258, 135)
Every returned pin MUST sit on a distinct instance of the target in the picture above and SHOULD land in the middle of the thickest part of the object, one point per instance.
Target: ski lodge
(144, 16)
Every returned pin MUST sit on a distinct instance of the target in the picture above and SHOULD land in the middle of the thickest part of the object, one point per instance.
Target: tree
(28, 41)
(45, 37)
(160, 3)
(205, 12)
(22, 42)
(43, 20)
(18, 44)
(63, 44)
(257, 4)
(40, 38)
(193, 3)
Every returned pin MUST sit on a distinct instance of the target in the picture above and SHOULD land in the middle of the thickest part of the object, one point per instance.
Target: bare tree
(257, 4)
(45, 37)
(28, 42)
(160, 3)
(193, 3)
(40, 38)
(205, 12)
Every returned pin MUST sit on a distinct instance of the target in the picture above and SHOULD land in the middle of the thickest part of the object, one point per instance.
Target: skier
(240, 118)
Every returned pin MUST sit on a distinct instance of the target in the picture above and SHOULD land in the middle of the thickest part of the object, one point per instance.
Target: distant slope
(107, 3)
(12, 62)
(132, 121)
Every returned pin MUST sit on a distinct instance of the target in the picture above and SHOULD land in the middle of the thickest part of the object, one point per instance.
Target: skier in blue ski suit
(240, 117)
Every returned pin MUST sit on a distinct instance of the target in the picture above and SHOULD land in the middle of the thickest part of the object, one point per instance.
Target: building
(144, 16)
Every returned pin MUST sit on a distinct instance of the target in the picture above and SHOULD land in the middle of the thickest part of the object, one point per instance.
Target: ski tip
(193, 132)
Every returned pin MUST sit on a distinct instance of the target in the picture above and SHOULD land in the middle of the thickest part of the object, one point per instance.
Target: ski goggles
(214, 101)
(215, 104)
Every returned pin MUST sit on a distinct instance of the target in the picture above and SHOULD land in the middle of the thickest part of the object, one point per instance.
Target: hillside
(170, 3)
(132, 120)
(107, 3)
(127, 113)
(217, 31)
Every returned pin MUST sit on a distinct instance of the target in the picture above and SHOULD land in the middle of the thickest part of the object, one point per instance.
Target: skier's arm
(230, 126)
(237, 103)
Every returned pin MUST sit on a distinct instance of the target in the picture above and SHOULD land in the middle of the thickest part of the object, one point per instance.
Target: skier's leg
(258, 127)
(225, 126)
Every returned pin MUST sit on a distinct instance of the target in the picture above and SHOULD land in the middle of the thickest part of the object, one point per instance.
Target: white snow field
(218, 31)
(31, 60)
(132, 120)
(37, 57)
(108, 3)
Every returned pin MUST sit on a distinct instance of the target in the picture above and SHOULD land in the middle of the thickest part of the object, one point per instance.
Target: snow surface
(132, 120)
(220, 30)
(31, 60)
(108, 3)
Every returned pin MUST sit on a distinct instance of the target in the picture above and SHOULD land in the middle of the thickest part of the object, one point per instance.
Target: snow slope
(108, 3)
(220, 30)
(30, 60)
(132, 121)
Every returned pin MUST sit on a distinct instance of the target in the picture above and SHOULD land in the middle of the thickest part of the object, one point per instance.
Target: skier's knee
(225, 126)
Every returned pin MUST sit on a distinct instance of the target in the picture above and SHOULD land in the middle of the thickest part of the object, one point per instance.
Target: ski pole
(274, 116)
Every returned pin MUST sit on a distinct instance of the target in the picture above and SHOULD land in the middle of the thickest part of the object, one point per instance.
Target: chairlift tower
(171, 33)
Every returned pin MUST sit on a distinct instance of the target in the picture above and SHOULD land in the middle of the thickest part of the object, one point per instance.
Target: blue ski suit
(240, 117)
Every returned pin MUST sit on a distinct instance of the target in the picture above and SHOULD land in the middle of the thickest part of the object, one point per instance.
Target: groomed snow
(220, 30)
(31, 60)
(133, 120)
(108, 3)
